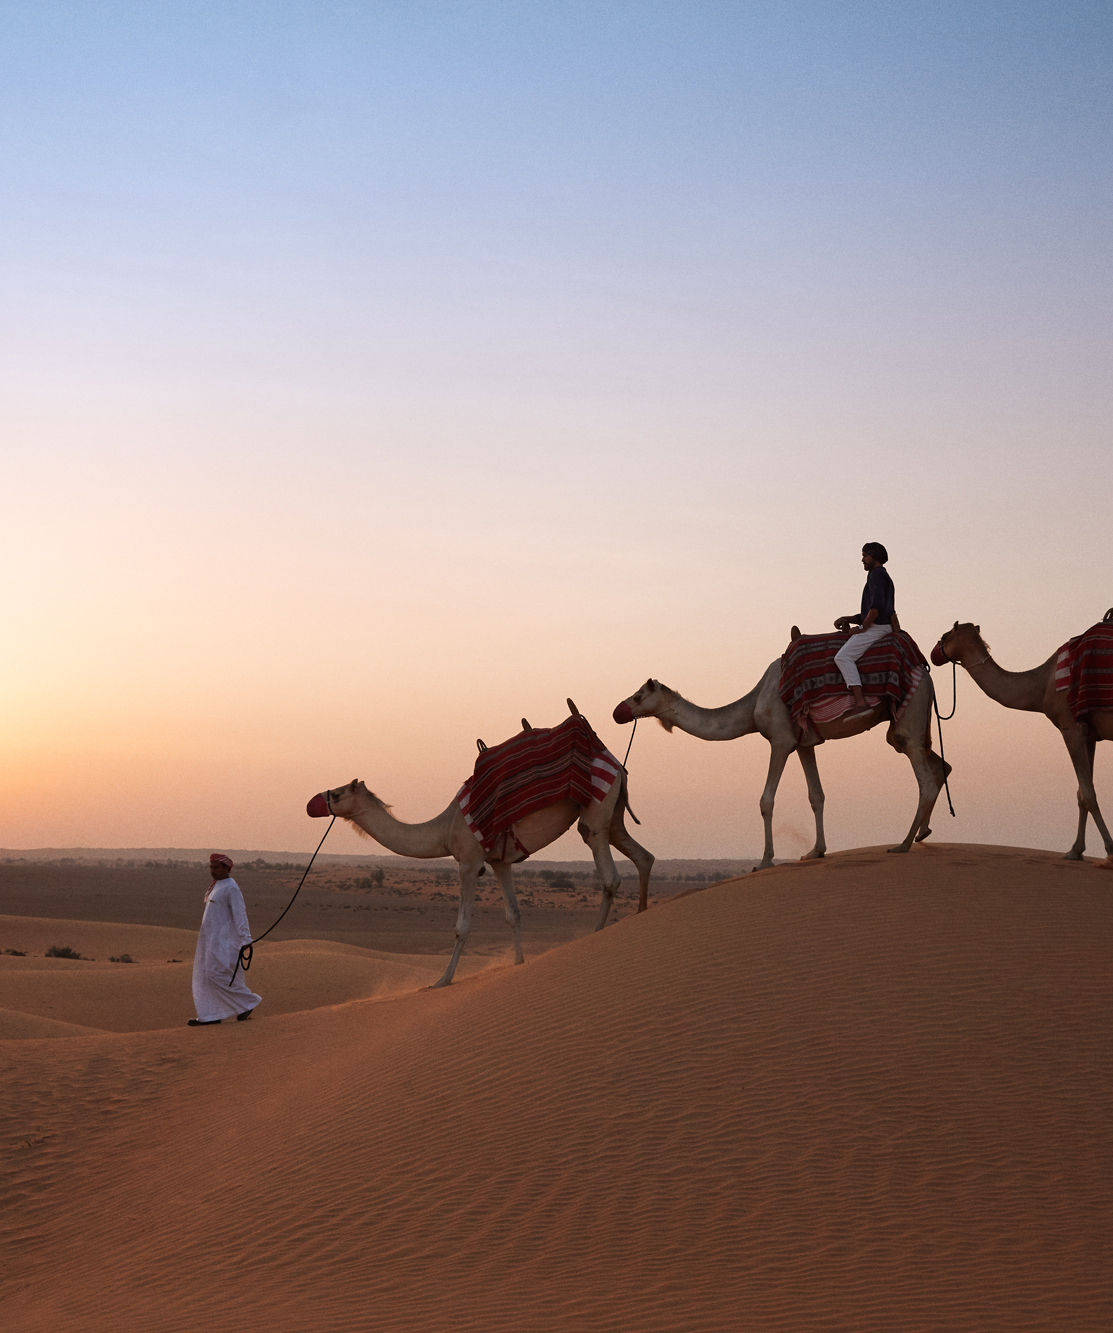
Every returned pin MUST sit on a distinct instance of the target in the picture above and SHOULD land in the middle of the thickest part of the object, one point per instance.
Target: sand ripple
(867, 1094)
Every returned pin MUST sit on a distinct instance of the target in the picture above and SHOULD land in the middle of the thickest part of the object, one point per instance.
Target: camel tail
(626, 801)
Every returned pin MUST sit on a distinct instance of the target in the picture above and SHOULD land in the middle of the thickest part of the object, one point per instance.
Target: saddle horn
(480, 745)
(572, 708)
(525, 725)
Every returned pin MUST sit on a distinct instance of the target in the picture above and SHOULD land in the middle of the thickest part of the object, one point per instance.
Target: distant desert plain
(870, 1093)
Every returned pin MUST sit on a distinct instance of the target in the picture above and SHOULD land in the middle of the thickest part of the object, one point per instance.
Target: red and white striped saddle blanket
(532, 770)
(812, 687)
(1084, 667)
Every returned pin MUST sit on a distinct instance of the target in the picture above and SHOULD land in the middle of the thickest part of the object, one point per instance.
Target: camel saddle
(1084, 668)
(812, 687)
(537, 768)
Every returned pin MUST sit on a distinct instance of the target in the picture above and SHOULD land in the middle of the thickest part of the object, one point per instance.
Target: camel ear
(954, 627)
(648, 684)
(977, 629)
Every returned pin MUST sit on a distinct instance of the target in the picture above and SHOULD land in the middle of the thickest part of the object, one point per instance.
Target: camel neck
(419, 840)
(714, 724)
(1013, 689)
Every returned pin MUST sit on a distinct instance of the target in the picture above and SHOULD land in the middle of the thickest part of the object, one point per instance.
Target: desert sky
(378, 375)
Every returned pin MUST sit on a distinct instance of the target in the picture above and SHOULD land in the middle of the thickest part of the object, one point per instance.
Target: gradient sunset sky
(377, 374)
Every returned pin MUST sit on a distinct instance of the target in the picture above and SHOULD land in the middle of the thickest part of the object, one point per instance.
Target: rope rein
(244, 959)
(954, 697)
(632, 734)
(939, 720)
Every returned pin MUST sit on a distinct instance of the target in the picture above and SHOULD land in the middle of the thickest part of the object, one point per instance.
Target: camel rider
(876, 616)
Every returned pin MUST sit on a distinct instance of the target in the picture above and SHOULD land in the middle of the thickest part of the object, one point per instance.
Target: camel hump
(794, 633)
(480, 745)
(572, 708)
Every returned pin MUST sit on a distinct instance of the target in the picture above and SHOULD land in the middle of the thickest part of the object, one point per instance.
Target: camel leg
(505, 875)
(633, 851)
(815, 797)
(1081, 749)
(469, 879)
(778, 757)
(1075, 853)
(930, 788)
(941, 770)
(599, 841)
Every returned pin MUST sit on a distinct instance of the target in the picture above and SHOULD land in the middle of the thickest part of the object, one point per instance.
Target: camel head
(339, 801)
(652, 700)
(959, 643)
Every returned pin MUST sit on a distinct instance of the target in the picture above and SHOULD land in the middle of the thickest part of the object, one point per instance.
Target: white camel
(763, 711)
(600, 825)
(1034, 692)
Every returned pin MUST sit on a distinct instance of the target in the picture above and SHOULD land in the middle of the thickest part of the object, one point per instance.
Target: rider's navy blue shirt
(880, 593)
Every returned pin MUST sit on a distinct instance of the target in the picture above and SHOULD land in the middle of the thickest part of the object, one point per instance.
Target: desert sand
(868, 1093)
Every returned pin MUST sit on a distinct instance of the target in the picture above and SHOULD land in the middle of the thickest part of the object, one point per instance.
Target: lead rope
(627, 756)
(244, 959)
(939, 726)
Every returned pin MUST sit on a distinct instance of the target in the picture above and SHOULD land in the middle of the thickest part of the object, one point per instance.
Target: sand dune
(154, 990)
(870, 1093)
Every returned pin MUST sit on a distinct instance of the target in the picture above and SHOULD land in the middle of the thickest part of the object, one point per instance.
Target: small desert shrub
(122, 958)
(17, 953)
(62, 951)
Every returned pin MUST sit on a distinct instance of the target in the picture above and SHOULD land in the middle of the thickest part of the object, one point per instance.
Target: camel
(601, 826)
(763, 710)
(1034, 692)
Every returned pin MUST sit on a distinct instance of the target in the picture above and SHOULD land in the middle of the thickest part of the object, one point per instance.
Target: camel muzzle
(623, 713)
(939, 655)
(318, 806)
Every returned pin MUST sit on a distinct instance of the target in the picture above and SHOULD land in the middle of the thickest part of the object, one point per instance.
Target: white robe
(224, 930)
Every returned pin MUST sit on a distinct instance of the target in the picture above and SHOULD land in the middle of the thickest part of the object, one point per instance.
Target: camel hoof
(896, 849)
(813, 855)
(1072, 856)
(765, 865)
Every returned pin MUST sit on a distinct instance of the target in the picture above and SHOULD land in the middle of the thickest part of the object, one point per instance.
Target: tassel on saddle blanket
(532, 770)
(1084, 667)
(812, 687)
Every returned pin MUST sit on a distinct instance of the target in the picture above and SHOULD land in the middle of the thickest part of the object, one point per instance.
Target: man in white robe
(224, 931)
